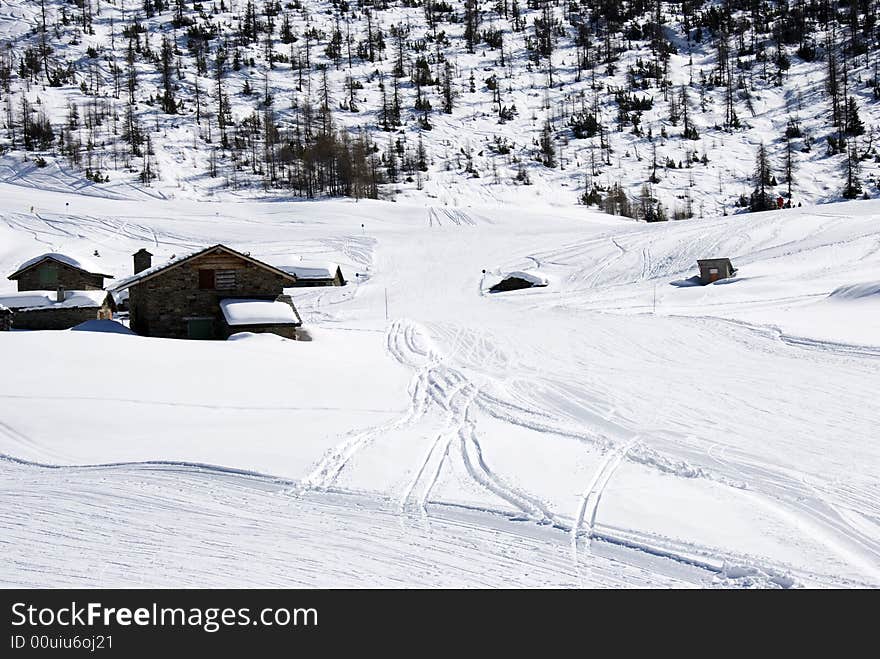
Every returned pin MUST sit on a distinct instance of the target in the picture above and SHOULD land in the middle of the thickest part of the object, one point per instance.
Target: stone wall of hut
(56, 319)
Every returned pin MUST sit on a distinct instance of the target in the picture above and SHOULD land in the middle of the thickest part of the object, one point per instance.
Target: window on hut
(224, 279)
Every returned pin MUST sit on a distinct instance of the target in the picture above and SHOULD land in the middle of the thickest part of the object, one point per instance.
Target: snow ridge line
(774, 332)
(193, 466)
(205, 406)
(15, 435)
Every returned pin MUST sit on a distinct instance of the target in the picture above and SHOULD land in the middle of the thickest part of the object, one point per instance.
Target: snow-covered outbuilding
(315, 274)
(48, 271)
(56, 310)
(277, 316)
(208, 294)
(715, 269)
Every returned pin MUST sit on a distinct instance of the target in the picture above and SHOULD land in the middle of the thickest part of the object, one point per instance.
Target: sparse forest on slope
(646, 109)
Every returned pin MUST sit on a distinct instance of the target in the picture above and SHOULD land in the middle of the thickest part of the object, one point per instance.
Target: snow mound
(856, 291)
(105, 326)
(265, 337)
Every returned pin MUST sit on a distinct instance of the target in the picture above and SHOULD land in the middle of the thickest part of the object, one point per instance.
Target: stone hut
(209, 294)
(47, 272)
(42, 310)
(714, 269)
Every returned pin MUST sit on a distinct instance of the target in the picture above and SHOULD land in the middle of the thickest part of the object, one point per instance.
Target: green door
(200, 328)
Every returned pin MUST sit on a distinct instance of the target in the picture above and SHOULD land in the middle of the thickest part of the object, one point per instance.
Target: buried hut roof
(34, 300)
(238, 311)
(311, 270)
(181, 259)
(65, 259)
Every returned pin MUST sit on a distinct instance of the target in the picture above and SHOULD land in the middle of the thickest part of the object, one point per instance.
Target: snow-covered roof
(178, 259)
(533, 277)
(311, 270)
(33, 300)
(258, 312)
(125, 282)
(78, 263)
(103, 327)
(120, 297)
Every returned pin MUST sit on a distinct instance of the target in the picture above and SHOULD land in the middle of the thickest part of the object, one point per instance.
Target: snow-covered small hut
(315, 274)
(48, 271)
(715, 269)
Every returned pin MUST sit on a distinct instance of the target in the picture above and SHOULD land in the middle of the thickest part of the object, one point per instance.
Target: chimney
(143, 260)
(59, 294)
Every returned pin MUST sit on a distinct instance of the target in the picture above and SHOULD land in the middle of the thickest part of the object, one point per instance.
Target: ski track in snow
(409, 344)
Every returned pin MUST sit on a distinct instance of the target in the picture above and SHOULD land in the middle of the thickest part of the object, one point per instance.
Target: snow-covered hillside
(546, 100)
(619, 426)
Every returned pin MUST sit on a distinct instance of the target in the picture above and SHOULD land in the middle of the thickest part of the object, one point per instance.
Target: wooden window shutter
(225, 280)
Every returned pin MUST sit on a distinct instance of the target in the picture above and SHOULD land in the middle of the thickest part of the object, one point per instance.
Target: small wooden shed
(715, 269)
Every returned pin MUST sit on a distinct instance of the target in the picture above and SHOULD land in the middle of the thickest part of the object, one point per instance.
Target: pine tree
(789, 166)
(854, 125)
(852, 186)
(169, 105)
(391, 161)
(448, 91)
(548, 151)
(690, 131)
(761, 200)
(421, 155)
